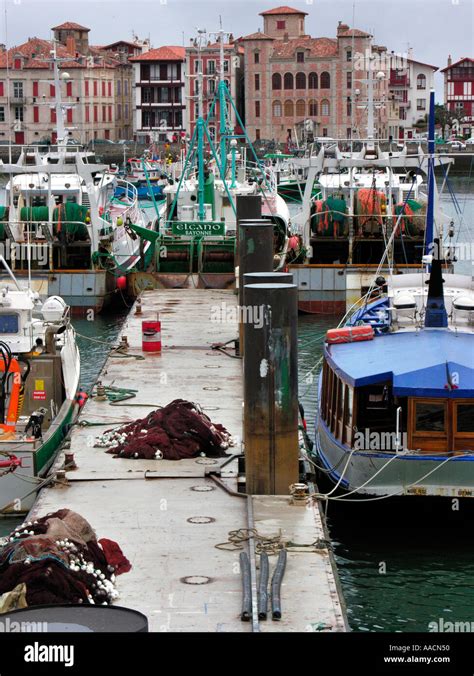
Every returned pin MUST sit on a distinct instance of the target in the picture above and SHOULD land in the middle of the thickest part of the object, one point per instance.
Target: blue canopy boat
(396, 397)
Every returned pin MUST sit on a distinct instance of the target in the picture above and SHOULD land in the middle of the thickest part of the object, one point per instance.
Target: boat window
(430, 417)
(8, 323)
(465, 418)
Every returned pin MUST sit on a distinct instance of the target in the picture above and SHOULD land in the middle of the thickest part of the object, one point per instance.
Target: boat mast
(431, 177)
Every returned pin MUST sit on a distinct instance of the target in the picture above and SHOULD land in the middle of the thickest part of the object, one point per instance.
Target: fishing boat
(364, 185)
(396, 397)
(199, 222)
(39, 382)
(64, 207)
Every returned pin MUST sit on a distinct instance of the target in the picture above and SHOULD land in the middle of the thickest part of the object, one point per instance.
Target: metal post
(271, 388)
(247, 207)
(266, 278)
(255, 249)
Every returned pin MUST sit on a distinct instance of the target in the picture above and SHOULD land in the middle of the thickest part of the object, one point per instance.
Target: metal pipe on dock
(271, 388)
(246, 613)
(276, 585)
(263, 586)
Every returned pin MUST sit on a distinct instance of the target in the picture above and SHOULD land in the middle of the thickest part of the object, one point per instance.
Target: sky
(433, 28)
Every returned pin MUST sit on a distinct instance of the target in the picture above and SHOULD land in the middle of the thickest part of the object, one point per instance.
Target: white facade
(409, 98)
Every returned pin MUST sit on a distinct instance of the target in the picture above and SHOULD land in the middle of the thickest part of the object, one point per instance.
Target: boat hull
(36, 461)
(403, 474)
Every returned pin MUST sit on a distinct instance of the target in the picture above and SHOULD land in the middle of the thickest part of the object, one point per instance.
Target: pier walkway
(169, 516)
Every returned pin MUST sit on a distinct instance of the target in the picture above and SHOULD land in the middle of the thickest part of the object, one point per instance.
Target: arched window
(421, 81)
(276, 81)
(300, 108)
(325, 80)
(325, 108)
(276, 108)
(289, 109)
(313, 108)
(288, 81)
(313, 81)
(300, 81)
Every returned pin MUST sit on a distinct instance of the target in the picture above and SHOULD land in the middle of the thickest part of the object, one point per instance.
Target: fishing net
(59, 560)
(329, 217)
(178, 430)
(413, 220)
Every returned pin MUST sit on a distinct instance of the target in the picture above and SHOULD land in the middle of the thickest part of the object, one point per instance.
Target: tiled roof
(257, 36)
(120, 42)
(353, 32)
(36, 52)
(283, 10)
(70, 26)
(465, 58)
(162, 54)
(316, 46)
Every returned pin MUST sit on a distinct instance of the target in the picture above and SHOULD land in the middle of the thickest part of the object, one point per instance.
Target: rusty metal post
(255, 255)
(271, 388)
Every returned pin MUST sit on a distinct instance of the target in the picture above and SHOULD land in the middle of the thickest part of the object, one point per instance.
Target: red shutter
(86, 84)
(458, 88)
(51, 90)
(69, 115)
(103, 88)
(110, 113)
(17, 64)
(1, 89)
(35, 114)
(95, 87)
(104, 113)
(69, 89)
(87, 114)
(109, 87)
(53, 116)
(35, 88)
(96, 114)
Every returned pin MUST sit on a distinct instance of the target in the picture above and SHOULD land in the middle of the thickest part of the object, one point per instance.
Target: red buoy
(151, 336)
(121, 283)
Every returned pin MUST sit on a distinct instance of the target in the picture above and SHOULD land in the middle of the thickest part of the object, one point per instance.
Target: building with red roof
(97, 94)
(459, 91)
(208, 62)
(295, 81)
(160, 106)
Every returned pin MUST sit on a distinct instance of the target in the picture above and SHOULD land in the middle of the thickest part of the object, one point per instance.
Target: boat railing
(130, 211)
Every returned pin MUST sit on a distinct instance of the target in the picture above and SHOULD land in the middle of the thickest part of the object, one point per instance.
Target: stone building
(293, 80)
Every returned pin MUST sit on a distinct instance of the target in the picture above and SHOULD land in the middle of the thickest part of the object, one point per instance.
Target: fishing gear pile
(59, 560)
(178, 430)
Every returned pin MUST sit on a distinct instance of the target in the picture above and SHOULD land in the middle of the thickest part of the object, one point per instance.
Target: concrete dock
(169, 516)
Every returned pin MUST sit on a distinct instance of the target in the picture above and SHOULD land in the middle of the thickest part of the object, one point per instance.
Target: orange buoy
(350, 334)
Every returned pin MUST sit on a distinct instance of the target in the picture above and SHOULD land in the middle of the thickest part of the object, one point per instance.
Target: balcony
(18, 100)
(399, 82)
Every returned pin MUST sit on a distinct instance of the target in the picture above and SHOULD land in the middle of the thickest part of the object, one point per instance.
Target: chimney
(450, 60)
(342, 28)
(71, 45)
